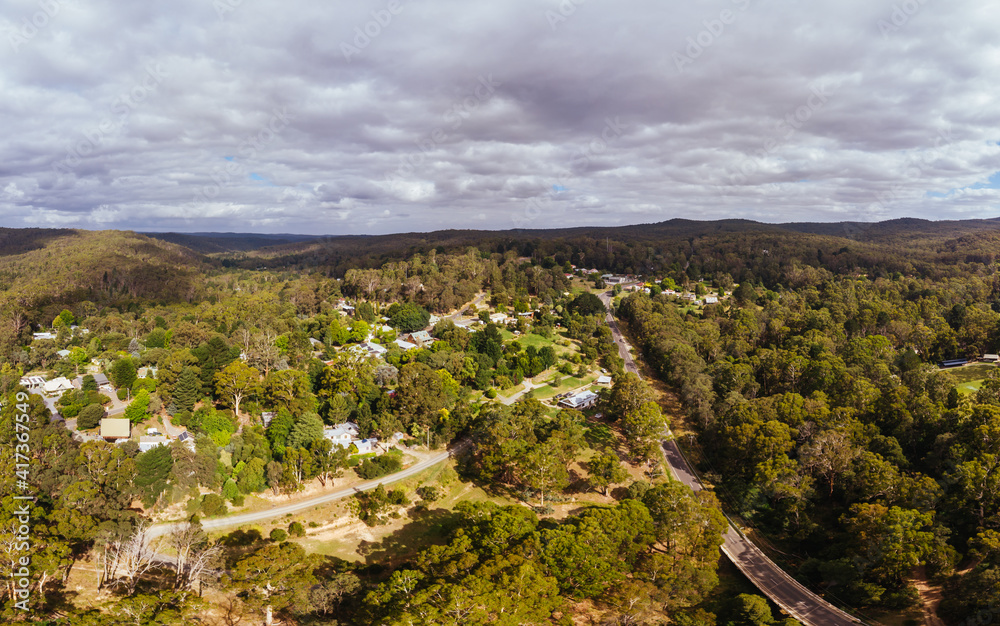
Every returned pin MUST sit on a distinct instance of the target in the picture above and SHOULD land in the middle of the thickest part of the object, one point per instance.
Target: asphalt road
(785, 591)
(295, 507)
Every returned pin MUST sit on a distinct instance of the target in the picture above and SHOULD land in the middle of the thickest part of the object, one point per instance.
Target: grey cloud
(402, 135)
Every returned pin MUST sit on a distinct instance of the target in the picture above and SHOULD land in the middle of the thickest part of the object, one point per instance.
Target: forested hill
(743, 248)
(212, 243)
(44, 269)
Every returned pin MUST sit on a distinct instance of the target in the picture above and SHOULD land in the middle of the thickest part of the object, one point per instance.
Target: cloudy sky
(378, 116)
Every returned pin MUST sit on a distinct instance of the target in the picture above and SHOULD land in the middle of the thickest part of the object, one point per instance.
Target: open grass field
(970, 377)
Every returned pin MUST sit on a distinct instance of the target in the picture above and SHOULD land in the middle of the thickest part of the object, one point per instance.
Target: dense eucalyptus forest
(807, 391)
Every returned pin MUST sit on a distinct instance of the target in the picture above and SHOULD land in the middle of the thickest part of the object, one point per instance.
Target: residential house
(147, 443)
(498, 318)
(582, 400)
(405, 345)
(63, 353)
(33, 383)
(603, 380)
(422, 338)
(115, 429)
(57, 385)
(711, 299)
(188, 440)
(342, 434)
(366, 446)
(44, 335)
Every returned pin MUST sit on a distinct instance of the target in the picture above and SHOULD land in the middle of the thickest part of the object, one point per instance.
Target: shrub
(379, 466)
(429, 493)
(296, 529)
(491, 393)
(122, 394)
(90, 416)
(277, 535)
(213, 504)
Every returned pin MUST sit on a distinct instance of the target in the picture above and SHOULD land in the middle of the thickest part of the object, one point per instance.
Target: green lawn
(568, 383)
(970, 373)
(969, 377)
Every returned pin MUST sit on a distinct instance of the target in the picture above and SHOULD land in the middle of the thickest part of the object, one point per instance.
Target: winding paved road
(785, 591)
(294, 507)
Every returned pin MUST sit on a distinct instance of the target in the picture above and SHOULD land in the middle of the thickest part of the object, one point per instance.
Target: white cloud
(459, 114)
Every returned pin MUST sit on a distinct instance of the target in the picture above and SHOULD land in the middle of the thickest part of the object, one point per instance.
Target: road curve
(775, 583)
(260, 516)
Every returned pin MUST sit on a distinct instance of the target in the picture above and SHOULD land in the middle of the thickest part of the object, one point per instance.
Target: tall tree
(235, 382)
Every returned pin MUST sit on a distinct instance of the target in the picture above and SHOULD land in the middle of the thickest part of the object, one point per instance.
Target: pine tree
(186, 390)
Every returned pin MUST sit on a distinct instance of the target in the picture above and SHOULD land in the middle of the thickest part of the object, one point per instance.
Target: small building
(342, 434)
(115, 429)
(498, 318)
(44, 335)
(612, 279)
(422, 338)
(147, 443)
(188, 440)
(991, 358)
(580, 401)
(63, 353)
(366, 446)
(57, 385)
(103, 384)
(266, 417)
(711, 299)
(405, 345)
(374, 349)
(952, 363)
(33, 383)
(603, 380)
(316, 343)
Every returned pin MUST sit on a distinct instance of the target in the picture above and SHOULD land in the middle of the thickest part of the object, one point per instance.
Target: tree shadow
(428, 527)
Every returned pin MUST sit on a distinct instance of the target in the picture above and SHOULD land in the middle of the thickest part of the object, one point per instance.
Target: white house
(498, 318)
(147, 443)
(603, 380)
(63, 353)
(366, 446)
(33, 383)
(711, 299)
(405, 345)
(58, 385)
(342, 434)
(44, 335)
(582, 400)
